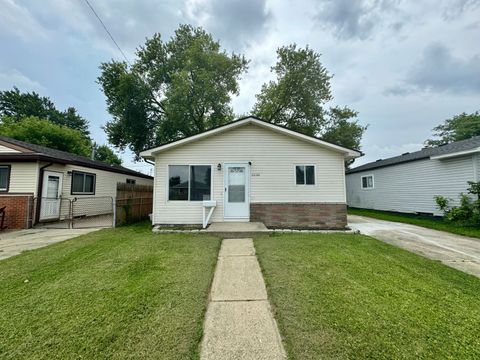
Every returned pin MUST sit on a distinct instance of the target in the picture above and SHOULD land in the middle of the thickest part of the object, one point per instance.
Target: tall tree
(18, 105)
(298, 99)
(43, 132)
(174, 89)
(105, 154)
(459, 127)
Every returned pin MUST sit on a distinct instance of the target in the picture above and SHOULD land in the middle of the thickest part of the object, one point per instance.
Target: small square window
(367, 182)
(305, 175)
(131, 181)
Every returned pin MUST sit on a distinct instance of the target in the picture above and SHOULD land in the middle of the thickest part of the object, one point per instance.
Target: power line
(108, 32)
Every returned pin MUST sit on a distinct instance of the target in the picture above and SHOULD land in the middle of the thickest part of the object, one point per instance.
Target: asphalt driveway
(14, 242)
(459, 252)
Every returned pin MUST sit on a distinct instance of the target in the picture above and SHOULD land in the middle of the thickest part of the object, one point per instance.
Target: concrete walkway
(239, 323)
(14, 242)
(459, 252)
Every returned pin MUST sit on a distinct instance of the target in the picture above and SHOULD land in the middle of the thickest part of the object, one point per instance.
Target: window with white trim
(83, 183)
(4, 177)
(189, 182)
(367, 182)
(305, 174)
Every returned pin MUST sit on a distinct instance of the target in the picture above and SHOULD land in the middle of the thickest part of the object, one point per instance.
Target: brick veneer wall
(18, 210)
(300, 215)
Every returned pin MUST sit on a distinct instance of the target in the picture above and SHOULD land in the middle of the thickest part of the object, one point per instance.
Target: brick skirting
(300, 215)
(18, 210)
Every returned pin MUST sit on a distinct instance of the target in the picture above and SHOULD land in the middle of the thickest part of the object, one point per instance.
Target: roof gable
(349, 153)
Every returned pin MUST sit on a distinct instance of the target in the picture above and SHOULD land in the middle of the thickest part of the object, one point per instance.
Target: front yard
(340, 296)
(128, 293)
(112, 294)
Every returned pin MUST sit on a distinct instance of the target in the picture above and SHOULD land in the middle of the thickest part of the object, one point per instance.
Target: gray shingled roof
(425, 153)
(64, 157)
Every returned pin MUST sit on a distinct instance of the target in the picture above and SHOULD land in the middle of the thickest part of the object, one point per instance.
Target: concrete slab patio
(15, 242)
(459, 252)
(239, 323)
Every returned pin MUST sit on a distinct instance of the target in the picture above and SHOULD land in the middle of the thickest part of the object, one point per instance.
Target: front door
(237, 192)
(51, 191)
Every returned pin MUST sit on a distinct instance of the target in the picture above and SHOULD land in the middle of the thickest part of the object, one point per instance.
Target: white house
(250, 170)
(409, 182)
(49, 176)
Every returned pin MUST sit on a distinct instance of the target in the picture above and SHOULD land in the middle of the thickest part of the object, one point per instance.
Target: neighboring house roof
(22, 151)
(349, 153)
(457, 148)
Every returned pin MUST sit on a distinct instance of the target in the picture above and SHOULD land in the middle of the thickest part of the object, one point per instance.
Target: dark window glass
(300, 172)
(367, 182)
(310, 175)
(131, 181)
(83, 183)
(77, 183)
(178, 182)
(89, 183)
(4, 175)
(200, 182)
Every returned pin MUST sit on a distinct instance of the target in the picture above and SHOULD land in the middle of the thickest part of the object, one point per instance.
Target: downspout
(476, 170)
(39, 192)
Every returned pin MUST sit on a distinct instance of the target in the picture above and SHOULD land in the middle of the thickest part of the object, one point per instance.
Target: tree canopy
(173, 89)
(105, 154)
(459, 127)
(298, 99)
(33, 118)
(44, 132)
(18, 105)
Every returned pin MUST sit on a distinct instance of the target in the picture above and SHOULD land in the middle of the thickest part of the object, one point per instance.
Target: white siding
(5, 149)
(411, 187)
(106, 181)
(273, 157)
(23, 177)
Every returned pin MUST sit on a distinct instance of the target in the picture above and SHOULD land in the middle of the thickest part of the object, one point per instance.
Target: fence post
(70, 215)
(114, 206)
(141, 208)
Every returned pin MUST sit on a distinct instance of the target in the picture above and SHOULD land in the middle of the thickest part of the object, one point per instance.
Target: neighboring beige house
(29, 171)
(250, 170)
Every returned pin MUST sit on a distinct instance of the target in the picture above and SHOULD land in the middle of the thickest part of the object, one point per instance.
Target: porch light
(219, 167)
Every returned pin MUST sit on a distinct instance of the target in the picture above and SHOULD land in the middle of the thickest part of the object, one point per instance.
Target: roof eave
(348, 153)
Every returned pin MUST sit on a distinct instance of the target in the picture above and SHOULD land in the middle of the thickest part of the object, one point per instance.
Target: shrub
(468, 212)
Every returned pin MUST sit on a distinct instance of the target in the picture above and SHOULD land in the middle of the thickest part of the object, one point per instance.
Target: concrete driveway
(459, 252)
(14, 242)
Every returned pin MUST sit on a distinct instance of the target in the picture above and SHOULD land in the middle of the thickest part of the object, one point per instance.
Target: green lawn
(425, 221)
(113, 294)
(340, 296)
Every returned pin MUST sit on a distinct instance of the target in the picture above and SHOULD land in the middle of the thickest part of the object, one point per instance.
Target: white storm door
(237, 192)
(51, 191)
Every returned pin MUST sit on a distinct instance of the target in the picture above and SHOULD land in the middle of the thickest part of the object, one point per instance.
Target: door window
(236, 184)
(52, 187)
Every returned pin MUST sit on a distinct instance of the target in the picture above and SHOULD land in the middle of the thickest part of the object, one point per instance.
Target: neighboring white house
(408, 183)
(29, 171)
(250, 170)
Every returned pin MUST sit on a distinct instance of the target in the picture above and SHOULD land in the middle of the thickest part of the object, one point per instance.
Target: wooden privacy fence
(134, 203)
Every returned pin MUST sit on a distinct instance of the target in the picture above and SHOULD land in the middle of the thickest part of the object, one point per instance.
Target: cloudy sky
(404, 65)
